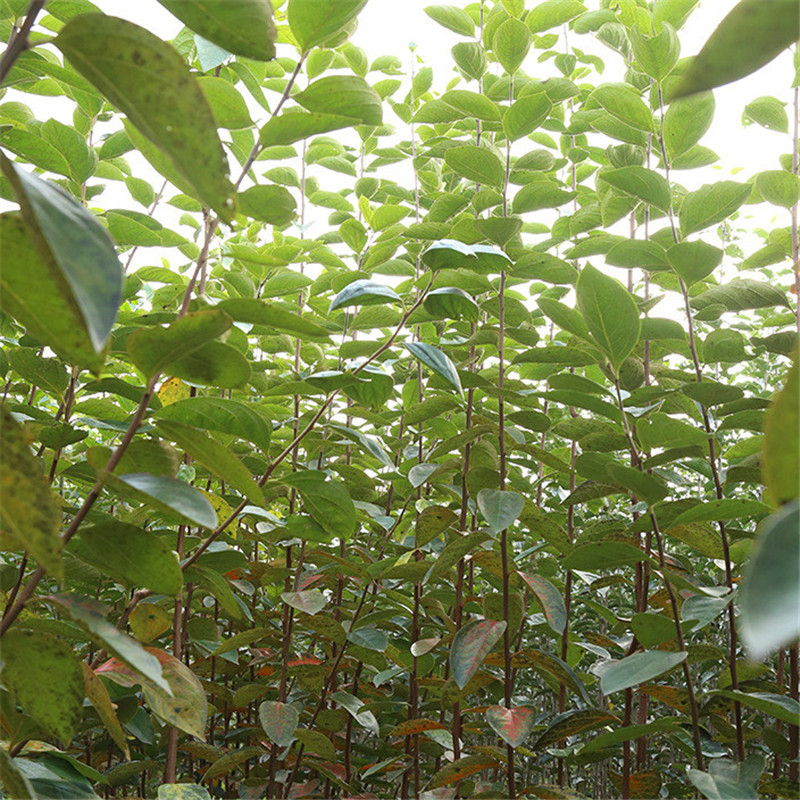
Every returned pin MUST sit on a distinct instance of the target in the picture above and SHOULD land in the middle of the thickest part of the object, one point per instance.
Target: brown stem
(19, 41)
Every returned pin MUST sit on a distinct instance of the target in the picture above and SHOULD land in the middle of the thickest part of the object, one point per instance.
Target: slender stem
(19, 42)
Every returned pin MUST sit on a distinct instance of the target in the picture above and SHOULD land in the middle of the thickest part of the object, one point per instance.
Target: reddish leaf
(279, 721)
(461, 768)
(513, 725)
(642, 785)
(550, 599)
(471, 645)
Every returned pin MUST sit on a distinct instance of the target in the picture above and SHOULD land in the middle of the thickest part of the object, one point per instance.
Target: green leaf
(471, 645)
(45, 677)
(154, 349)
(472, 104)
(525, 115)
(272, 204)
(293, 125)
(14, 780)
(328, 502)
(222, 416)
(713, 510)
(354, 707)
(227, 763)
(214, 457)
(273, 317)
(470, 58)
(646, 487)
(551, 13)
(694, 261)
(148, 81)
(540, 194)
(346, 95)
(771, 585)
(571, 723)
(512, 725)
(89, 615)
(436, 360)
(768, 112)
(228, 106)
(740, 295)
(311, 601)
(500, 509)
(171, 496)
(686, 121)
(610, 312)
(476, 164)
(637, 668)
(779, 187)
(363, 293)
(779, 706)
(711, 204)
(450, 302)
(182, 791)
(183, 704)
(511, 44)
(656, 54)
(624, 103)
(550, 599)
(645, 184)
(315, 23)
(603, 555)
(213, 364)
(245, 27)
(76, 255)
(432, 522)
(455, 549)
(453, 18)
(780, 455)
(130, 555)
(727, 780)
(28, 507)
(637, 254)
(751, 35)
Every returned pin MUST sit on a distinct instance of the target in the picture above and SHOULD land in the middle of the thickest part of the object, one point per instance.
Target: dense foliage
(337, 460)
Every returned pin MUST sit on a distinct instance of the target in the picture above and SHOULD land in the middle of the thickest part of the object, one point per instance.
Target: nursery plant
(362, 438)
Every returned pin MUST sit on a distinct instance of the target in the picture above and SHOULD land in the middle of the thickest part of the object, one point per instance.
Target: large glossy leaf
(728, 780)
(625, 104)
(363, 293)
(779, 187)
(328, 502)
(571, 723)
(771, 585)
(214, 457)
(183, 705)
(645, 184)
(28, 508)
(500, 509)
(471, 645)
(638, 668)
(476, 164)
(173, 497)
(610, 313)
(647, 487)
(154, 349)
(694, 261)
(603, 555)
(245, 27)
(272, 204)
(512, 725)
(182, 791)
(686, 121)
(711, 204)
(550, 598)
(45, 677)
(130, 555)
(89, 615)
(450, 302)
(293, 125)
(273, 317)
(147, 80)
(511, 44)
(780, 457)
(437, 361)
(751, 35)
(780, 706)
(728, 508)
(452, 18)
(346, 95)
(74, 259)
(279, 721)
(221, 415)
(551, 13)
(316, 22)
